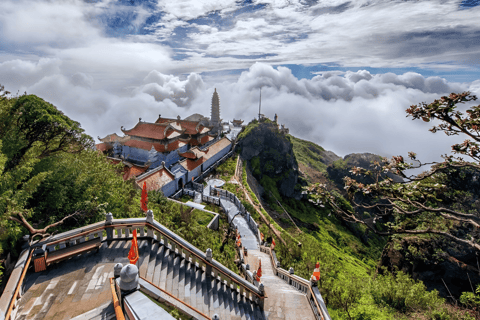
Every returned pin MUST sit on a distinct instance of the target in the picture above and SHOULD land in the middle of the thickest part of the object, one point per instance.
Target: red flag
(273, 244)
(133, 253)
(239, 241)
(259, 271)
(144, 200)
(316, 271)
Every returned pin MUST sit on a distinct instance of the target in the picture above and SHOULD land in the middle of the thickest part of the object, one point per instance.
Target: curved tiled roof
(188, 127)
(103, 146)
(109, 138)
(145, 145)
(189, 154)
(156, 178)
(206, 139)
(147, 130)
(190, 164)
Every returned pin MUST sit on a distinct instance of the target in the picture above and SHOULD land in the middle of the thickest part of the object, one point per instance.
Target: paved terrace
(73, 287)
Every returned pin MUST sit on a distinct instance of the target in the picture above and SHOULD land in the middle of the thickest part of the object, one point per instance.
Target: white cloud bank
(343, 112)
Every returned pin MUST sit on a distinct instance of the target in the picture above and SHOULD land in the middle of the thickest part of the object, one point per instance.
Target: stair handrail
(214, 263)
(97, 229)
(10, 301)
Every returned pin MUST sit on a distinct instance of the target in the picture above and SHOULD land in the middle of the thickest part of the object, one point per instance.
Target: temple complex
(168, 153)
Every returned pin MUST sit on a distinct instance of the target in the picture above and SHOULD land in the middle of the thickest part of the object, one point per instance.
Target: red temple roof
(147, 130)
(189, 154)
(133, 171)
(145, 145)
(156, 179)
(190, 164)
(103, 146)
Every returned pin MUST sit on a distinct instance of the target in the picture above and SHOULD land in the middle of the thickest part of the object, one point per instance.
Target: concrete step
(144, 251)
(188, 280)
(163, 274)
(152, 262)
(215, 303)
(169, 282)
(158, 264)
(193, 285)
(176, 274)
(181, 280)
(205, 294)
(189, 283)
(199, 290)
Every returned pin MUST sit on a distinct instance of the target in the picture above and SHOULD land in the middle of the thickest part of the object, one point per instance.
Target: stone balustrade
(313, 294)
(121, 229)
(227, 195)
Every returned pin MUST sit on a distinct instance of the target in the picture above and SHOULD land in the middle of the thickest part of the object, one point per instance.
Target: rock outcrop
(269, 152)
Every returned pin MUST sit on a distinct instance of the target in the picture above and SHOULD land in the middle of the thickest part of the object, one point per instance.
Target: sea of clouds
(346, 112)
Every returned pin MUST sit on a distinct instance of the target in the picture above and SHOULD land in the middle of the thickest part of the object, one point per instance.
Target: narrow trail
(259, 211)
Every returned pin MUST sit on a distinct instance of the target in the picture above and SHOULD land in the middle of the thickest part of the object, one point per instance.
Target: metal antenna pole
(260, 104)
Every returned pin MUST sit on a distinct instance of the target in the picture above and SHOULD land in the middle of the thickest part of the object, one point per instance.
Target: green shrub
(403, 293)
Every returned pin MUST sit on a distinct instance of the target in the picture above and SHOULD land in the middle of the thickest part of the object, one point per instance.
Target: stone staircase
(170, 271)
(284, 302)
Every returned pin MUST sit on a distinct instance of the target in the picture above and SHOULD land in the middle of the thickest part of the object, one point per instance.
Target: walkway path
(283, 301)
(249, 240)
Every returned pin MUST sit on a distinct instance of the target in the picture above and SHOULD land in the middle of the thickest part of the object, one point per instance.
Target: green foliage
(203, 217)
(48, 171)
(471, 300)
(255, 162)
(403, 293)
(308, 153)
(227, 169)
(345, 293)
(340, 164)
(30, 120)
(248, 129)
(169, 214)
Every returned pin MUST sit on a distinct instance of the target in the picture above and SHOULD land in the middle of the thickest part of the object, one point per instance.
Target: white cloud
(162, 87)
(356, 112)
(191, 9)
(60, 50)
(45, 23)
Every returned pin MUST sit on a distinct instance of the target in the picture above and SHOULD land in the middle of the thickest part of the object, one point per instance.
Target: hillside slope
(348, 255)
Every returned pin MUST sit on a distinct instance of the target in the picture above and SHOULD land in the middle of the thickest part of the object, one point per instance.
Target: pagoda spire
(215, 118)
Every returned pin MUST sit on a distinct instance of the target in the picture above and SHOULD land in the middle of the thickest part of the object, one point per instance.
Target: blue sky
(339, 73)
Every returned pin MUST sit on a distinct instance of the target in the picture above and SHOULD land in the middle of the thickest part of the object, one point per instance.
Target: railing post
(292, 272)
(128, 280)
(149, 219)
(209, 257)
(117, 269)
(261, 288)
(109, 222)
